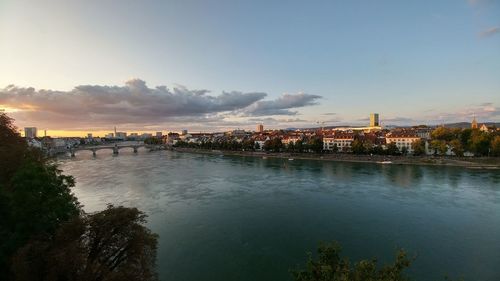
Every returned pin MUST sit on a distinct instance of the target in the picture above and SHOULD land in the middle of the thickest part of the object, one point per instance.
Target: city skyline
(231, 65)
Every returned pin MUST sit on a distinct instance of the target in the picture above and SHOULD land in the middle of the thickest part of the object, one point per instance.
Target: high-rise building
(184, 132)
(89, 135)
(30, 132)
(260, 128)
(374, 121)
(159, 134)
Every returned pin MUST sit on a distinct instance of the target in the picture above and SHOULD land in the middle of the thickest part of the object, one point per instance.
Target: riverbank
(491, 163)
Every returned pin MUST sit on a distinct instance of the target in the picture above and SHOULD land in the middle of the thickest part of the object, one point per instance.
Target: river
(245, 218)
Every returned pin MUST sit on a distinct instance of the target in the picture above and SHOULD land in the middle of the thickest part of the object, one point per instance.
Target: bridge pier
(135, 149)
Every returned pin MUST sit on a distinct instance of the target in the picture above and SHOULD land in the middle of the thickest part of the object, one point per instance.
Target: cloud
(484, 112)
(489, 32)
(279, 121)
(135, 105)
(486, 104)
(281, 105)
(329, 113)
(479, 2)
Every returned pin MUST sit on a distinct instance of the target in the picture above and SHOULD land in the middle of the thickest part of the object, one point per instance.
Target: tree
(480, 143)
(442, 133)
(439, 147)
(465, 138)
(330, 266)
(495, 146)
(404, 150)
(112, 244)
(358, 147)
(257, 146)
(43, 226)
(368, 145)
(392, 149)
(299, 146)
(457, 148)
(35, 197)
(316, 144)
(273, 145)
(335, 148)
(418, 147)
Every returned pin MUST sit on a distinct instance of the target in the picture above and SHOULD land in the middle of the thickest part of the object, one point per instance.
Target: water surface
(244, 218)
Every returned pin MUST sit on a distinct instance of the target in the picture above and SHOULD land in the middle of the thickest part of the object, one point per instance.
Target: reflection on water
(246, 218)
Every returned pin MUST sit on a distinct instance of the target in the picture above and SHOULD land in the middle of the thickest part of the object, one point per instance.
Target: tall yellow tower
(474, 123)
(374, 121)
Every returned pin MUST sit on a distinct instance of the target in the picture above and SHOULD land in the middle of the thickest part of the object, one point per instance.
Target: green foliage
(274, 145)
(457, 147)
(330, 266)
(315, 144)
(110, 245)
(462, 140)
(418, 147)
(439, 147)
(495, 146)
(35, 197)
(404, 150)
(392, 149)
(42, 225)
(480, 143)
(358, 147)
(257, 146)
(445, 134)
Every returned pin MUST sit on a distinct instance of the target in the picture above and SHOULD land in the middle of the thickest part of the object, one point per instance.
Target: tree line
(465, 140)
(442, 140)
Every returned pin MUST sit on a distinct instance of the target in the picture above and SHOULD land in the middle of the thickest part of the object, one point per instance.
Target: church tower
(474, 123)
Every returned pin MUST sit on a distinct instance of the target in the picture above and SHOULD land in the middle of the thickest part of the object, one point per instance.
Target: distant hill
(464, 125)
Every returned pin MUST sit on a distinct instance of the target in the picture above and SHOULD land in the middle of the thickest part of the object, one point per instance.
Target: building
(238, 133)
(89, 135)
(121, 135)
(474, 124)
(260, 128)
(343, 141)
(260, 141)
(30, 132)
(184, 132)
(170, 138)
(159, 135)
(293, 139)
(402, 140)
(484, 128)
(109, 136)
(424, 132)
(374, 120)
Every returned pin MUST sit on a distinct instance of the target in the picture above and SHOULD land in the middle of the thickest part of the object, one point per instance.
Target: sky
(77, 66)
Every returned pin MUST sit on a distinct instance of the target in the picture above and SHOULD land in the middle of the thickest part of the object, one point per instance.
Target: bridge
(115, 148)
